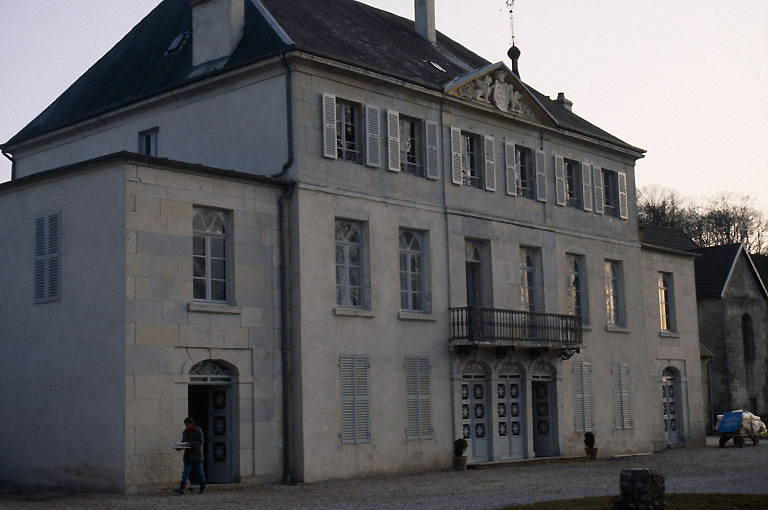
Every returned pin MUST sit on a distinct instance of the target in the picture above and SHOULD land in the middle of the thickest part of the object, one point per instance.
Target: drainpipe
(285, 341)
(13, 163)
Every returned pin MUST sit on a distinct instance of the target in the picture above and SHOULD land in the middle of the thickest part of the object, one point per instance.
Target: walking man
(193, 456)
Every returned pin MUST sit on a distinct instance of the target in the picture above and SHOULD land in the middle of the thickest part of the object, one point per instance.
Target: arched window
(527, 281)
(748, 336)
(349, 264)
(209, 255)
(411, 272)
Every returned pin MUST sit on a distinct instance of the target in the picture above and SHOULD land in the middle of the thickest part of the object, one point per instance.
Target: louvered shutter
(456, 156)
(432, 150)
(541, 176)
(511, 164)
(623, 206)
(329, 126)
(425, 400)
(598, 184)
(578, 396)
(621, 397)
(47, 272)
(490, 163)
(347, 376)
(586, 183)
(372, 135)
(393, 140)
(561, 191)
(362, 416)
(411, 398)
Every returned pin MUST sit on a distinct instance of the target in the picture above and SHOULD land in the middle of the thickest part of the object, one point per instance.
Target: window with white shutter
(511, 163)
(418, 398)
(343, 131)
(541, 176)
(490, 163)
(355, 416)
(623, 205)
(597, 182)
(456, 156)
(621, 397)
(433, 150)
(526, 172)
(582, 395)
(393, 140)
(329, 126)
(560, 185)
(47, 274)
(372, 135)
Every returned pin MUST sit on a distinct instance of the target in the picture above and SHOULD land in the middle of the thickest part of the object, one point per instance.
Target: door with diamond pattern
(670, 406)
(474, 416)
(543, 438)
(219, 449)
(510, 412)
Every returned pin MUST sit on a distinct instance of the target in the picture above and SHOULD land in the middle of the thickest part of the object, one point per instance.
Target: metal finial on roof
(511, 8)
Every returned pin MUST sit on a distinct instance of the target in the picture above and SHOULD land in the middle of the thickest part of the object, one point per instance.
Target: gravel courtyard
(695, 469)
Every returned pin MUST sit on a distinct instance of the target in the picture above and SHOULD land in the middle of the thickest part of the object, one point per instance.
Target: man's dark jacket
(195, 440)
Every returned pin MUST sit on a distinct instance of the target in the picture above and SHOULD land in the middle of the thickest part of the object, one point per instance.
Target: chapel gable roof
(714, 266)
(141, 66)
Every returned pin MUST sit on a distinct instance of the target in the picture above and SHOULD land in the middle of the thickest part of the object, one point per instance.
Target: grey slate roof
(343, 30)
(712, 269)
(665, 237)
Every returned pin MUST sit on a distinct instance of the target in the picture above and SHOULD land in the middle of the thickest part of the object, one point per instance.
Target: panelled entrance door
(474, 416)
(670, 405)
(510, 409)
(210, 404)
(542, 402)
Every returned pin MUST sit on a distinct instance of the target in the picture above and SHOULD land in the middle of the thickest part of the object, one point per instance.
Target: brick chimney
(425, 19)
(567, 103)
(217, 27)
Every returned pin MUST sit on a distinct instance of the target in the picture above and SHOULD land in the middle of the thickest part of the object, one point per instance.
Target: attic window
(177, 43)
(437, 66)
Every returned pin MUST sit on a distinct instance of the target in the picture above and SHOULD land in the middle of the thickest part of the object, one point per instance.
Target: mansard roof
(141, 66)
(714, 266)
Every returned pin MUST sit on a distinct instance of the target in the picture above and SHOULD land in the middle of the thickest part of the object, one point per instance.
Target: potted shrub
(589, 445)
(459, 459)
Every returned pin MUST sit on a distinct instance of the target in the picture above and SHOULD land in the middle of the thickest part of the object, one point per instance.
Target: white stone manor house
(338, 239)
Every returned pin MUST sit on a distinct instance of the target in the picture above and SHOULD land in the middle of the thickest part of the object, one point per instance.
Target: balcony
(515, 329)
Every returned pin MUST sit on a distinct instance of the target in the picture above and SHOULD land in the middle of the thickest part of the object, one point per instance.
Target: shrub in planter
(459, 459)
(589, 445)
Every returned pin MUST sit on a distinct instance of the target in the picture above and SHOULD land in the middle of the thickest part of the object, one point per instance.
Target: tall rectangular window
(418, 399)
(531, 291)
(622, 416)
(614, 299)
(576, 281)
(412, 146)
(47, 282)
(582, 395)
(411, 271)
(209, 255)
(611, 192)
(472, 157)
(574, 185)
(666, 302)
(348, 132)
(349, 264)
(148, 142)
(355, 417)
(527, 173)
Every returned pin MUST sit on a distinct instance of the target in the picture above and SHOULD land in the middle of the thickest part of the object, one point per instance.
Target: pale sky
(687, 80)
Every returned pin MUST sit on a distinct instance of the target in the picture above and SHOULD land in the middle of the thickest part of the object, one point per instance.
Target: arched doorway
(511, 409)
(542, 402)
(211, 405)
(670, 396)
(474, 407)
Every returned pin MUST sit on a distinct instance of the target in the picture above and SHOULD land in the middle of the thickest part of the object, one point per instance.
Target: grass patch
(674, 502)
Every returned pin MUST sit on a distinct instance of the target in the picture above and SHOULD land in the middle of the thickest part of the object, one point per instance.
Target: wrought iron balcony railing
(511, 327)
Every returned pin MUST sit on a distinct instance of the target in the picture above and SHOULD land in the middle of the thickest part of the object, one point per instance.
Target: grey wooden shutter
(425, 400)
(561, 192)
(511, 163)
(372, 135)
(586, 185)
(393, 140)
(432, 150)
(490, 163)
(411, 398)
(623, 206)
(621, 396)
(598, 184)
(582, 386)
(541, 176)
(47, 272)
(362, 415)
(329, 126)
(456, 156)
(347, 376)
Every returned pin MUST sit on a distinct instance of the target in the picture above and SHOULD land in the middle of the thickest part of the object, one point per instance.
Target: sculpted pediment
(494, 85)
